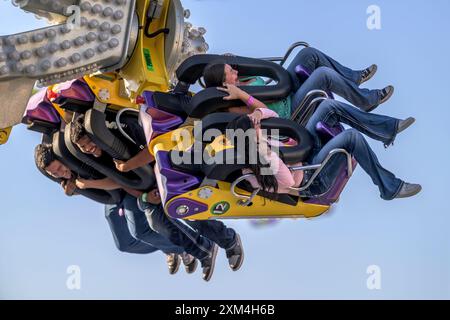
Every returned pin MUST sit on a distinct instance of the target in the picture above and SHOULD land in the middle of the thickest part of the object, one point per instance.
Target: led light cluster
(193, 43)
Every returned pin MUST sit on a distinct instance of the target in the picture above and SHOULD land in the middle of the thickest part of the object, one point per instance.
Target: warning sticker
(148, 60)
(220, 208)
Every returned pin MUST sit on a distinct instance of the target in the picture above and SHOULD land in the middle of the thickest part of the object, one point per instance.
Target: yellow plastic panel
(231, 208)
(180, 139)
(4, 135)
(109, 89)
(146, 69)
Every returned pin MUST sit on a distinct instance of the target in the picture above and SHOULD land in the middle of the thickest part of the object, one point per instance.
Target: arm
(69, 187)
(103, 184)
(141, 159)
(235, 93)
(255, 105)
(284, 176)
(266, 113)
(153, 197)
(261, 114)
(133, 192)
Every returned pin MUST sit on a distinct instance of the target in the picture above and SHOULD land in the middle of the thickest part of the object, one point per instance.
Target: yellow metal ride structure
(105, 59)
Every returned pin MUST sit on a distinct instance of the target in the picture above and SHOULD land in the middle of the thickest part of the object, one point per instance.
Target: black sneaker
(235, 255)
(190, 263)
(385, 95)
(173, 262)
(405, 124)
(368, 73)
(209, 263)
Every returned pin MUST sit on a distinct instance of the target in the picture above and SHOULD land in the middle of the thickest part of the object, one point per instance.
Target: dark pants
(215, 231)
(132, 233)
(178, 232)
(196, 237)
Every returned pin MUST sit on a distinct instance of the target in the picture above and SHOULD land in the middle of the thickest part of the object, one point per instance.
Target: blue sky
(42, 232)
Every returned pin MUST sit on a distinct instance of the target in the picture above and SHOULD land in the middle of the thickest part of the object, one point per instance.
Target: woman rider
(378, 127)
(325, 74)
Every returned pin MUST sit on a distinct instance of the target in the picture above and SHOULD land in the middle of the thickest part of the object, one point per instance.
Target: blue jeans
(378, 127)
(132, 232)
(215, 231)
(329, 75)
(177, 232)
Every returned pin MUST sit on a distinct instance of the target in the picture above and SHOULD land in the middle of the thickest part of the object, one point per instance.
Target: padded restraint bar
(76, 166)
(44, 127)
(286, 127)
(210, 100)
(95, 124)
(173, 103)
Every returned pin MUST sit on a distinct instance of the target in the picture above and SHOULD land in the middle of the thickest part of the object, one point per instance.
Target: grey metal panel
(67, 51)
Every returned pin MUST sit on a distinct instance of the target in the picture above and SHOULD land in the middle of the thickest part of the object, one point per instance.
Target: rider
(325, 74)
(175, 231)
(379, 127)
(124, 230)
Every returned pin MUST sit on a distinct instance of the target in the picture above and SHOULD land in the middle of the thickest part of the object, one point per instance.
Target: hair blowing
(267, 182)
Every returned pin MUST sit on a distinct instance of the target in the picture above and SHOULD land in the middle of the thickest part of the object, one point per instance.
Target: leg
(378, 127)
(353, 141)
(225, 237)
(124, 241)
(216, 231)
(139, 228)
(311, 59)
(178, 233)
(329, 80)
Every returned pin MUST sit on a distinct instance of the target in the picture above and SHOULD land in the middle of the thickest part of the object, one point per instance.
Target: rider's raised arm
(143, 158)
(267, 113)
(102, 184)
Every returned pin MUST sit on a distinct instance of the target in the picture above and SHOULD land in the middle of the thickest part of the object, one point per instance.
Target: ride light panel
(95, 36)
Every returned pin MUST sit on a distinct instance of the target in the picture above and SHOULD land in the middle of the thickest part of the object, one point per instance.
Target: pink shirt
(284, 176)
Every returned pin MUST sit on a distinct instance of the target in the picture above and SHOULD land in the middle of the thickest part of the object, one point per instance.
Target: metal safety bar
(282, 60)
(320, 93)
(319, 167)
(119, 126)
(248, 199)
(317, 170)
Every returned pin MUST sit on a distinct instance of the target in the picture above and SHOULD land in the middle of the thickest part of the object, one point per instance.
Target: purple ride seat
(40, 108)
(40, 115)
(74, 95)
